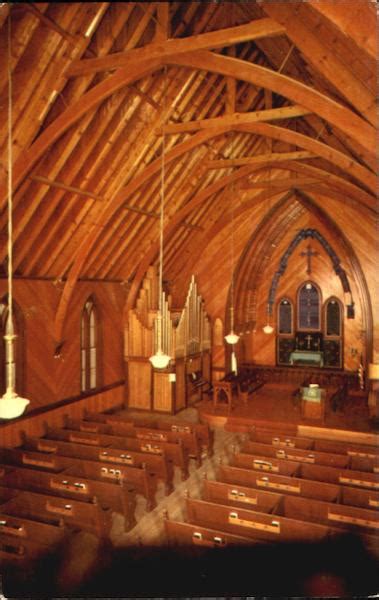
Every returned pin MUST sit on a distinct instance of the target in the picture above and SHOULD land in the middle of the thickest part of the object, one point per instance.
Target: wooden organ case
(186, 337)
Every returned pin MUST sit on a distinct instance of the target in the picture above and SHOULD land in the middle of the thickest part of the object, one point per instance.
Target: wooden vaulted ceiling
(255, 99)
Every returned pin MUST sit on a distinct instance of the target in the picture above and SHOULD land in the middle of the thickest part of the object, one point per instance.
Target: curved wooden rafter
(273, 131)
(318, 103)
(331, 111)
(72, 114)
(323, 58)
(300, 93)
(344, 162)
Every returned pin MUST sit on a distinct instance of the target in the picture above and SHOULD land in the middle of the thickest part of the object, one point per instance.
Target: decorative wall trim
(303, 234)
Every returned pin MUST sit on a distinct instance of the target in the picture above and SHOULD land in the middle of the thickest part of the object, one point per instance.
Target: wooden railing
(33, 423)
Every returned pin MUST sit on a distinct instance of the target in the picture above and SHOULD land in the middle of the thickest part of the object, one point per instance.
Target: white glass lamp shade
(160, 360)
(373, 371)
(232, 338)
(268, 329)
(12, 405)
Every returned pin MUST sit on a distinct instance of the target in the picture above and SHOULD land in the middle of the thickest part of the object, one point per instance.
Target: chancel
(188, 299)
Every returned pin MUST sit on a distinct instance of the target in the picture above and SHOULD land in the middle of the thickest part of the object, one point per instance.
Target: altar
(307, 357)
(313, 402)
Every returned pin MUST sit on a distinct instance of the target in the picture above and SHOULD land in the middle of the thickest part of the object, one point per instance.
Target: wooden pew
(353, 519)
(173, 451)
(362, 522)
(265, 464)
(245, 497)
(278, 483)
(303, 470)
(340, 476)
(76, 477)
(348, 448)
(186, 534)
(359, 497)
(23, 540)
(249, 523)
(156, 464)
(297, 454)
(300, 487)
(203, 432)
(349, 518)
(77, 513)
(107, 495)
(280, 441)
(271, 436)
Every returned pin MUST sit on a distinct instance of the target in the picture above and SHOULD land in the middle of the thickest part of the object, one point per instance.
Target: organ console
(186, 337)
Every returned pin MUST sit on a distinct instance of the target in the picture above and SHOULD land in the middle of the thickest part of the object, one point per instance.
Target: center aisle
(149, 530)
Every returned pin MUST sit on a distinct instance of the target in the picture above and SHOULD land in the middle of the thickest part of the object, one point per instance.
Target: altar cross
(309, 253)
(309, 339)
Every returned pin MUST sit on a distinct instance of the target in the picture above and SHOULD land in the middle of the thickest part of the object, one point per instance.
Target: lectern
(313, 402)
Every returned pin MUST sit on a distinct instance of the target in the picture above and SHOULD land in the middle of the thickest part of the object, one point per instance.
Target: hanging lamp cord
(10, 179)
(232, 253)
(161, 223)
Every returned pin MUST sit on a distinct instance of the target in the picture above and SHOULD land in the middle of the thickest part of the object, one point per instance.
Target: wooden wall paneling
(181, 384)
(139, 383)
(48, 379)
(163, 392)
(35, 425)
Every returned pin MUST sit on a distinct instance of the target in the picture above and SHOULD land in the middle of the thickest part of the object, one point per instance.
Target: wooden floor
(149, 530)
(274, 403)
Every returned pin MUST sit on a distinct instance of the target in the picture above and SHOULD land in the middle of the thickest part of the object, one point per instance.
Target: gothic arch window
(18, 345)
(333, 318)
(89, 338)
(308, 312)
(218, 332)
(285, 317)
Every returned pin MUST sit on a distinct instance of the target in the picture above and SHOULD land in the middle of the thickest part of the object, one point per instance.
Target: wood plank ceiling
(241, 91)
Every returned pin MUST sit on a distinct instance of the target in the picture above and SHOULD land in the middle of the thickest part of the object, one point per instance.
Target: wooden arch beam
(323, 59)
(72, 114)
(200, 198)
(341, 160)
(358, 22)
(334, 113)
(301, 140)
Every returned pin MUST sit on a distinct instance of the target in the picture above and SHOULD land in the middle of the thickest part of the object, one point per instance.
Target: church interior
(189, 364)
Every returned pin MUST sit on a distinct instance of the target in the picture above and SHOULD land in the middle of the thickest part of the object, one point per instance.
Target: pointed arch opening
(89, 346)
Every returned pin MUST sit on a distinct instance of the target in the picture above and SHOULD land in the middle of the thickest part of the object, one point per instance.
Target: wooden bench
(303, 470)
(299, 508)
(111, 492)
(245, 497)
(265, 464)
(284, 439)
(125, 440)
(280, 440)
(156, 464)
(308, 456)
(362, 522)
(203, 432)
(186, 534)
(249, 523)
(77, 513)
(338, 515)
(317, 490)
(23, 540)
(278, 483)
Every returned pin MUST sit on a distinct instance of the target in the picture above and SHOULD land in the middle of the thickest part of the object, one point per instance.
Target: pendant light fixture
(232, 338)
(268, 329)
(160, 360)
(11, 404)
